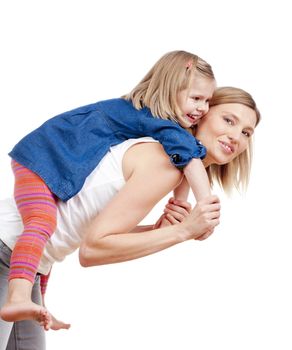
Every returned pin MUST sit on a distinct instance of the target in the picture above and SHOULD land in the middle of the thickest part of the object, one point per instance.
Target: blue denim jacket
(67, 148)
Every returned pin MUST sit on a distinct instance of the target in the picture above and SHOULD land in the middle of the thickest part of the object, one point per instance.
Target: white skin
(109, 241)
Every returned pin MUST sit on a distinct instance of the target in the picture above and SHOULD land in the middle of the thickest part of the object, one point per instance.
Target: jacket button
(176, 158)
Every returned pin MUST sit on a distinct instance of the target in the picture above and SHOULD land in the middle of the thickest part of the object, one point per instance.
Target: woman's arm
(120, 247)
(108, 240)
(142, 228)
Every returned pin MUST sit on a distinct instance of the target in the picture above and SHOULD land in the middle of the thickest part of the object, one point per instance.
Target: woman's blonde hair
(237, 172)
(171, 74)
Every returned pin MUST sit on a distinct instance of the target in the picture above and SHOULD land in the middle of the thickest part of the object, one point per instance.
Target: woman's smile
(227, 147)
(225, 132)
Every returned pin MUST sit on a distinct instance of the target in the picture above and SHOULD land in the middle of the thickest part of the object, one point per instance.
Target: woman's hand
(174, 212)
(203, 218)
(205, 236)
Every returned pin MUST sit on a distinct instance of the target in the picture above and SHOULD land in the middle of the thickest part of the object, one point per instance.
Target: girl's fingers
(182, 204)
(179, 217)
(171, 219)
(177, 208)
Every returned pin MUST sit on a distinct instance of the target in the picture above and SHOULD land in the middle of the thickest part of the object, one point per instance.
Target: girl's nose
(203, 107)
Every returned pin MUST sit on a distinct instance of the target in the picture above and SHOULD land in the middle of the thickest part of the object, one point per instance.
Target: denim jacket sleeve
(178, 143)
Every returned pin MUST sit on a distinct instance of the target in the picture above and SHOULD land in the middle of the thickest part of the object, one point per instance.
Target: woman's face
(225, 132)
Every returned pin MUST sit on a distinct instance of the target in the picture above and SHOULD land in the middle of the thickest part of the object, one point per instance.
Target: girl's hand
(174, 212)
(161, 222)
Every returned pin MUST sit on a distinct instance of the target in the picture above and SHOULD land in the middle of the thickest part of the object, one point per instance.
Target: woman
(129, 181)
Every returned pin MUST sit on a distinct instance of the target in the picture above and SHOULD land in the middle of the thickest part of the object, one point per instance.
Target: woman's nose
(234, 135)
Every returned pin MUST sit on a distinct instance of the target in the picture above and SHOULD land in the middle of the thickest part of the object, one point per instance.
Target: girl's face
(225, 132)
(194, 102)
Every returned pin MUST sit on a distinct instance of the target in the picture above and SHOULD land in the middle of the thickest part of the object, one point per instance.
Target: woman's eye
(228, 120)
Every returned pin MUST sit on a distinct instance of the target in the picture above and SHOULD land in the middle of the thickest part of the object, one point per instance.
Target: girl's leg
(5, 327)
(37, 207)
(28, 335)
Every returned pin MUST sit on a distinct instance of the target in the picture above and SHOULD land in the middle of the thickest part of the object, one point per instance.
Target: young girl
(53, 161)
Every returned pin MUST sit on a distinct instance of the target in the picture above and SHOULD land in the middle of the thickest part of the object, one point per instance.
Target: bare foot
(46, 319)
(25, 310)
(57, 325)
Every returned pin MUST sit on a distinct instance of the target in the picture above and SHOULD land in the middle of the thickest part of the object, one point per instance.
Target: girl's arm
(107, 239)
(197, 179)
(181, 192)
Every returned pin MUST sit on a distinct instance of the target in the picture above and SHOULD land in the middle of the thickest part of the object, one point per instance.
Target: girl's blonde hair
(171, 74)
(237, 172)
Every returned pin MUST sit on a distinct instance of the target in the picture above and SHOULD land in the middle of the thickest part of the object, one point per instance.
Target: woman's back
(73, 216)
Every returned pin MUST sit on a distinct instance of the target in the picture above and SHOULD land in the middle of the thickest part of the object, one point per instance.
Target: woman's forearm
(142, 228)
(128, 246)
(99, 247)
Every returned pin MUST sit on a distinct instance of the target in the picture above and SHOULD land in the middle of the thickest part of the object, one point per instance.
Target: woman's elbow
(84, 256)
(88, 256)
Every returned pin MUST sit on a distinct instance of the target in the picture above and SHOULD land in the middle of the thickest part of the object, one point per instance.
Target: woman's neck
(206, 161)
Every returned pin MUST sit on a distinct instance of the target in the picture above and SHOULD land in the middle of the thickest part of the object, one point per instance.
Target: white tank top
(72, 216)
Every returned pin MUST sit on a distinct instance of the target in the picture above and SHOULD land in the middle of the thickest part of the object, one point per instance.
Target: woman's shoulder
(147, 149)
(149, 158)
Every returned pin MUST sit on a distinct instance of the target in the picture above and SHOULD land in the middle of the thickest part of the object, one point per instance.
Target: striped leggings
(37, 207)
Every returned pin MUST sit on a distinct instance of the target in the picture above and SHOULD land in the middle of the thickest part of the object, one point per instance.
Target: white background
(229, 292)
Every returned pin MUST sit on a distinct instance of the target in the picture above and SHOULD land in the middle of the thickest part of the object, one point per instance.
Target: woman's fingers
(203, 218)
(205, 236)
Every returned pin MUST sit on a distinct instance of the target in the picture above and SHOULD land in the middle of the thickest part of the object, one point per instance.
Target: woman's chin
(219, 161)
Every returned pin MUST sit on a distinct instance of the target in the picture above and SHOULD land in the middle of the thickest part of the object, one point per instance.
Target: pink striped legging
(37, 207)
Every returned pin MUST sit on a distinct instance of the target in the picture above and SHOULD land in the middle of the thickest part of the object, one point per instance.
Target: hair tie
(189, 65)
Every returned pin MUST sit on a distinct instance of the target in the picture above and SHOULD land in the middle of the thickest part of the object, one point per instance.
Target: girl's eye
(196, 98)
(246, 133)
